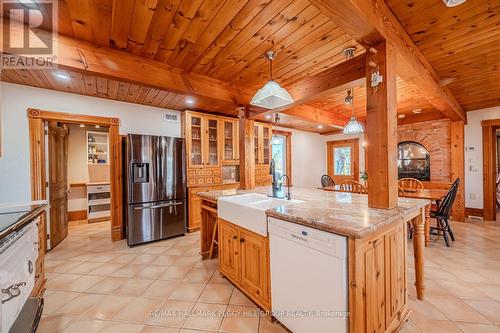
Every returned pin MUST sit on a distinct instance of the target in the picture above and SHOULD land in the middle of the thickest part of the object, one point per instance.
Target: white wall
(16, 99)
(308, 158)
(474, 159)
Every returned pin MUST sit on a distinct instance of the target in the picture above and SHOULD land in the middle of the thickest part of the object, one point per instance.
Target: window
(342, 158)
(281, 153)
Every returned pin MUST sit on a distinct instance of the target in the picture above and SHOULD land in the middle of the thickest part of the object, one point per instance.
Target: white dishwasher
(308, 278)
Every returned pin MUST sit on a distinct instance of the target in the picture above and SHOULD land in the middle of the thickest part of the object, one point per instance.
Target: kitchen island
(376, 250)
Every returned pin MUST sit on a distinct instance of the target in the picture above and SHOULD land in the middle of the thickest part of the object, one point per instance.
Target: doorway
(281, 145)
(40, 154)
(490, 168)
(343, 160)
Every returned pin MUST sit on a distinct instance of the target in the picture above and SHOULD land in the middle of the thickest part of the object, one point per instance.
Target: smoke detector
(453, 3)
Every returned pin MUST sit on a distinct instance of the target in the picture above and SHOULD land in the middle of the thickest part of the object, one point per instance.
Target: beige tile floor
(95, 285)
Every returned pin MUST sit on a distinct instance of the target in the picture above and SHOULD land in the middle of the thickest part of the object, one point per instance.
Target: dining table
(434, 195)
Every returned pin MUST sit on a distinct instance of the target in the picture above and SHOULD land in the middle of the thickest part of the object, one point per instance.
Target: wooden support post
(381, 127)
(247, 152)
(458, 168)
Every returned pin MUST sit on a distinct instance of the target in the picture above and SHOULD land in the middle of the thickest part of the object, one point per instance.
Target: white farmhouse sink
(249, 210)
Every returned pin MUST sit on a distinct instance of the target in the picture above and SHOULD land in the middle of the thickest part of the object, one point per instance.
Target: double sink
(249, 210)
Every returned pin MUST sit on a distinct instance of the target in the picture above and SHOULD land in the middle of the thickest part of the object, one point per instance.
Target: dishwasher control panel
(319, 240)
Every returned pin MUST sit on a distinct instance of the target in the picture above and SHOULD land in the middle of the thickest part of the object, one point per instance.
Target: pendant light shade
(271, 95)
(353, 127)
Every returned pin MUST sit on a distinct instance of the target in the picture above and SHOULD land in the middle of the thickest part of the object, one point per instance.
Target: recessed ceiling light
(189, 101)
(268, 116)
(417, 111)
(97, 126)
(320, 126)
(82, 125)
(453, 3)
(62, 76)
(401, 116)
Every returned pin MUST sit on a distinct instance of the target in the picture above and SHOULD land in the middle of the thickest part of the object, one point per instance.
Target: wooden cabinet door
(195, 129)
(229, 140)
(257, 129)
(266, 143)
(194, 209)
(254, 264)
(229, 248)
(212, 147)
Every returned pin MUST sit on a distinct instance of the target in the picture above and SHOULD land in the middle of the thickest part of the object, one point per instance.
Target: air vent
(171, 117)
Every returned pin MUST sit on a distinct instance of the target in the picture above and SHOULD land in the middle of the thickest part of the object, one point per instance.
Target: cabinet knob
(242, 240)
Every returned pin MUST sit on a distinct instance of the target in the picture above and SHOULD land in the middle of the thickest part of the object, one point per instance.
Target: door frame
(288, 138)
(490, 127)
(36, 119)
(329, 157)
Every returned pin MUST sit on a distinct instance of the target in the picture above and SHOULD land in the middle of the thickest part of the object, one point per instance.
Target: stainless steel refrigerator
(155, 188)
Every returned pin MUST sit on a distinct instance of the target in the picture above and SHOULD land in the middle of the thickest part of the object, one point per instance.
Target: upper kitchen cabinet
(262, 144)
(229, 140)
(202, 136)
(262, 148)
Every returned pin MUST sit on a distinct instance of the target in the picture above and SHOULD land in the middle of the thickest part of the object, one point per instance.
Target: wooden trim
(329, 157)
(288, 136)
(457, 148)
(98, 219)
(77, 215)
(36, 118)
(489, 170)
(474, 212)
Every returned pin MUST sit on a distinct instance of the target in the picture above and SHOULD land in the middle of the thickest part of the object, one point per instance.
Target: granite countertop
(341, 213)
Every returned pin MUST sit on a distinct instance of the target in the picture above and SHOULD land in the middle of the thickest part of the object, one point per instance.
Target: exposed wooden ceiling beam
(311, 113)
(341, 77)
(370, 22)
(418, 118)
(78, 55)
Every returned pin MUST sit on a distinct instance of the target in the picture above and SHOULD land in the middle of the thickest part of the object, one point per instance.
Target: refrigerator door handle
(159, 206)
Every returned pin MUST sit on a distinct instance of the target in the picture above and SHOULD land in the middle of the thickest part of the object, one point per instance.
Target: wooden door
(343, 160)
(254, 263)
(58, 182)
(212, 150)
(229, 247)
(194, 135)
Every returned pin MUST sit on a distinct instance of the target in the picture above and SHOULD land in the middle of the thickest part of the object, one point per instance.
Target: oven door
(154, 221)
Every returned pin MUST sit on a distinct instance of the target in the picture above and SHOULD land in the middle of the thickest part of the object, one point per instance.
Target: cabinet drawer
(98, 188)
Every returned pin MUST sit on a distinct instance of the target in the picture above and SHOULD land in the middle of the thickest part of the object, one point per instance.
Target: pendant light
(353, 126)
(271, 95)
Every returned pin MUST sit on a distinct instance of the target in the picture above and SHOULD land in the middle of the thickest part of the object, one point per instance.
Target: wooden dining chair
(410, 184)
(352, 186)
(401, 191)
(442, 214)
(327, 181)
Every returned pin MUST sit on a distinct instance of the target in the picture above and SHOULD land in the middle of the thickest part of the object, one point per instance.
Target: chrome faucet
(288, 195)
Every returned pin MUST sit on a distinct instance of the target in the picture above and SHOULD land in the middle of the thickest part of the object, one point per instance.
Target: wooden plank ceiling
(226, 40)
(461, 43)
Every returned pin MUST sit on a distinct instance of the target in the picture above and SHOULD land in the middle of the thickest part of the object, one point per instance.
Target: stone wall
(435, 136)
